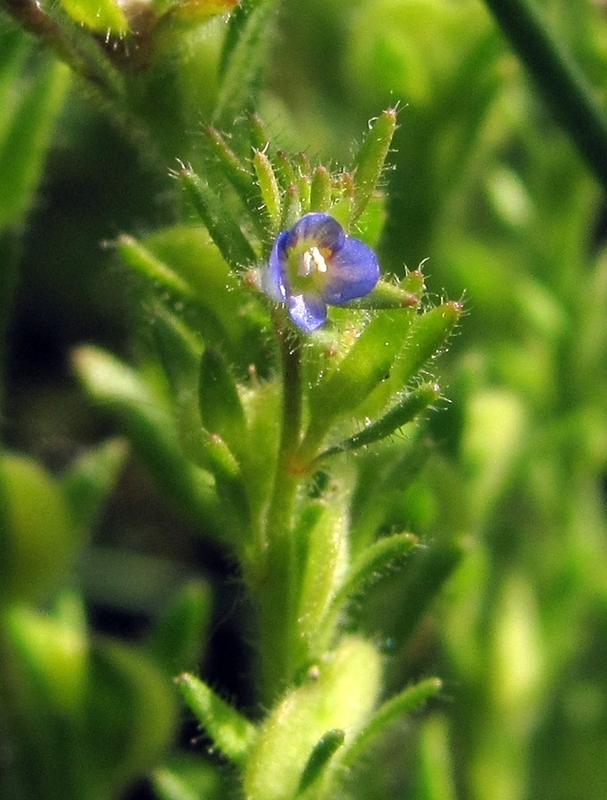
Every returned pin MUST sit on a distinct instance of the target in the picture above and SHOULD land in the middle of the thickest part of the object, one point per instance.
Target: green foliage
(376, 534)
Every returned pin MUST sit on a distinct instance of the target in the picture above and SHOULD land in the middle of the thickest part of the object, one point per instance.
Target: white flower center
(311, 261)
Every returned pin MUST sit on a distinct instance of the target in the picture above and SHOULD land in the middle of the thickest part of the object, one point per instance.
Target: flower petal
(320, 230)
(274, 277)
(307, 310)
(353, 272)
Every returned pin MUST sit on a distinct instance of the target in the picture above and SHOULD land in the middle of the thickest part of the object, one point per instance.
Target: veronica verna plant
(277, 406)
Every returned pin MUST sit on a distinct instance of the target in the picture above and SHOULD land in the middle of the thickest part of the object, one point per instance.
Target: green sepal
(326, 746)
(231, 733)
(239, 175)
(218, 220)
(407, 407)
(339, 694)
(90, 478)
(385, 295)
(146, 419)
(427, 335)
(177, 640)
(403, 703)
(221, 409)
(370, 160)
(269, 190)
(321, 190)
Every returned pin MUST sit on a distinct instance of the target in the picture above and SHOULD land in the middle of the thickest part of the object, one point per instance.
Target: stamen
(311, 261)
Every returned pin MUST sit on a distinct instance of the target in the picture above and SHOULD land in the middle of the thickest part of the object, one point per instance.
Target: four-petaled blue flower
(314, 264)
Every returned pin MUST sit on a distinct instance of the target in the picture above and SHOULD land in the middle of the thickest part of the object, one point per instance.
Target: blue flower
(314, 264)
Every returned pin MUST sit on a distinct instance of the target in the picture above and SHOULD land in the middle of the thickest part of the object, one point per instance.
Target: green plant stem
(277, 600)
(560, 80)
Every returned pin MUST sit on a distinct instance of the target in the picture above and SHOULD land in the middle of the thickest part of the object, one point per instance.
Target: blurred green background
(491, 191)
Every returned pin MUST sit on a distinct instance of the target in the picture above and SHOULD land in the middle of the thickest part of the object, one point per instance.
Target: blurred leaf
(178, 638)
(146, 420)
(27, 132)
(131, 717)
(221, 409)
(101, 16)
(38, 541)
(89, 479)
(244, 59)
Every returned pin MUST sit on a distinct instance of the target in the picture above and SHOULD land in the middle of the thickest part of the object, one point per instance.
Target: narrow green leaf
(427, 335)
(244, 58)
(232, 733)
(160, 275)
(325, 563)
(405, 410)
(370, 160)
(320, 756)
(178, 638)
(150, 427)
(220, 406)
(25, 142)
(404, 702)
(365, 366)
(89, 479)
(218, 220)
(170, 786)
(378, 560)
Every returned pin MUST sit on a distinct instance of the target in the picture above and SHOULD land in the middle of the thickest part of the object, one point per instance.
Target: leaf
(320, 756)
(89, 479)
(232, 733)
(218, 220)
(382, 558)
(178, 638)
(403, 703)
(26, 139)
(410, 405)
(101, 16)
(145, 418)
(244, 58)
(370, 160)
